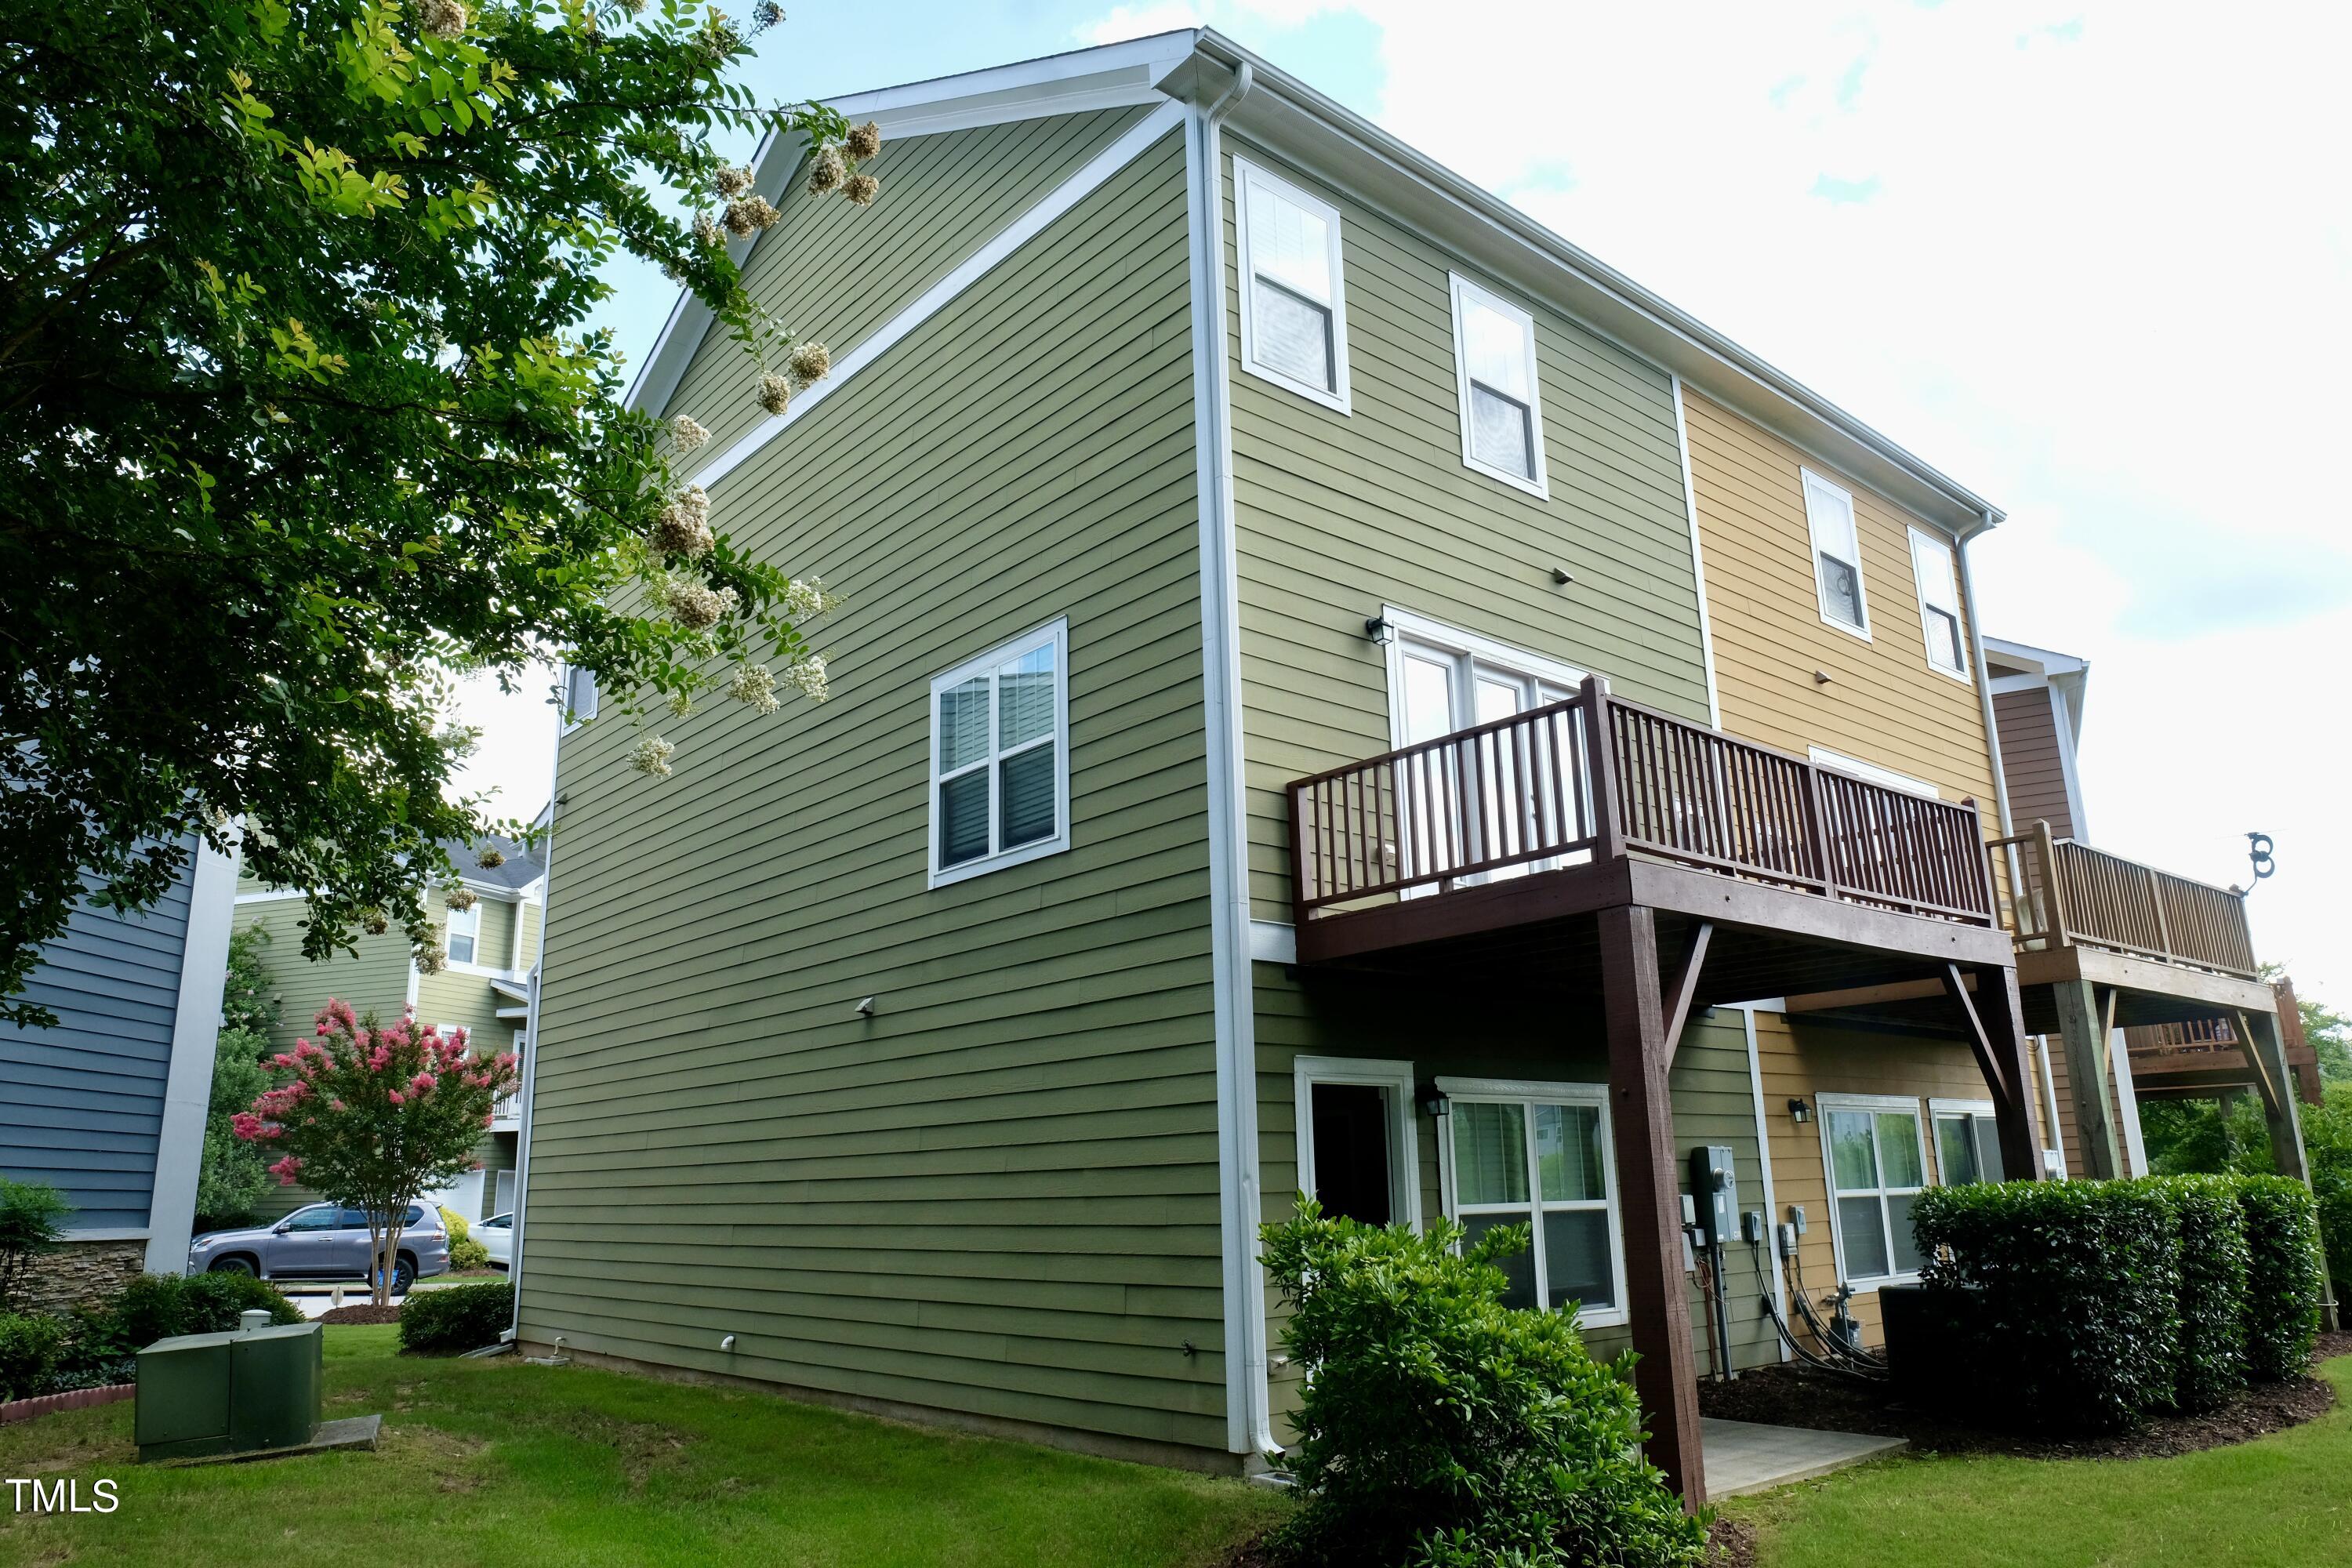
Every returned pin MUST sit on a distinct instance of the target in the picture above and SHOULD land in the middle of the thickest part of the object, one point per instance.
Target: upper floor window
(1001, 757)
(1940, 604)
(1494, 367)
(579, 696)
(1294, 307)
(465, 928)
(1837, 556)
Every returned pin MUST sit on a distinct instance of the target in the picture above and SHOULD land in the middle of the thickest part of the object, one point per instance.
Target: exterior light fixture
(1434, 1103)
(1799, 1112)
(1377, 628)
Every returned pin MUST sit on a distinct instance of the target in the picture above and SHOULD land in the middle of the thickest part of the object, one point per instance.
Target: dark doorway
(1351, 1152)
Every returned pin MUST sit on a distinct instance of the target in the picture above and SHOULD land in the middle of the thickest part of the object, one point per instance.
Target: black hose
(1840, 1357)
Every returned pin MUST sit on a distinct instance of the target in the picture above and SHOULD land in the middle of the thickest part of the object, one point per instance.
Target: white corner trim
(2134, 1144)
(1698, 576)
(2063, 721)
(1274, 941)
(971, 270)
(188, 1084)
(1249, 1419)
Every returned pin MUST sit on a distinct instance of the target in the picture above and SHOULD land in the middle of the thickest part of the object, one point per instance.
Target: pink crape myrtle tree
(371, 1114)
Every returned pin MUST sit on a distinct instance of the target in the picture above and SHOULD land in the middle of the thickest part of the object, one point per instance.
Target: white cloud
(1125, 22)
(2091, 259)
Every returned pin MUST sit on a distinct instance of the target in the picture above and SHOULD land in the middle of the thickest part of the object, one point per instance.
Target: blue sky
(2094, 261)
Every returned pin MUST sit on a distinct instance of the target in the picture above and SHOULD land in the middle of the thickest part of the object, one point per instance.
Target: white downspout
(1249, 1424)
(525, 1095)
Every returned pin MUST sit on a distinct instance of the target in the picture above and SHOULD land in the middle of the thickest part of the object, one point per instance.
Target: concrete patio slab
(1748, 1456)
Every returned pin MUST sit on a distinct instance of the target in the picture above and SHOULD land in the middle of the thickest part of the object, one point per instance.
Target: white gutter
(1249, 1426)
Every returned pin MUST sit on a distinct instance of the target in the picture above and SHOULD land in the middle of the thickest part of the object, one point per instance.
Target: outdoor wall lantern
(1799, 1112)
(1378, 629)
(1432, 1103)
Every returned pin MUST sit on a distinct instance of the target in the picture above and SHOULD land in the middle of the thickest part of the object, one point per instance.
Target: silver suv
(323, 1242)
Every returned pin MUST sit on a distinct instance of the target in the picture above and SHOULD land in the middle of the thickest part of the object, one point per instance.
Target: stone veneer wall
(81, 1273)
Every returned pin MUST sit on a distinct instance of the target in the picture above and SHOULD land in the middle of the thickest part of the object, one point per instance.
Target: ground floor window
(1877, 1163)
(1539, 1155)
(1968, 1144)
(1357, 1149)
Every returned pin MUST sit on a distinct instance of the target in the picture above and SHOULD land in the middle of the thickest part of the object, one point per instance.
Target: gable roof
(1200, 65)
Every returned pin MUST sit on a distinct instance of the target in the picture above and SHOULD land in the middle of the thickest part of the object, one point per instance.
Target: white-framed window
(579, 696)
(1968, 1142)
(465, 926)
(1294, 294)
(1495, 376)
(1837, 556)
(1871, 773)
(1001, 757)
(503, 1203)
(1876, 1161)
(1539, 1155)
(1357, 1154)
(1940, 604)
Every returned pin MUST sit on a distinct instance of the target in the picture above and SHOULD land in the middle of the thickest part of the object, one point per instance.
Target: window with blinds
(1494, 366)
(1294, 311)
(1000, 757)
(1538, 1155)
(1837, 556)
(1877, 1165)
(1938, 578)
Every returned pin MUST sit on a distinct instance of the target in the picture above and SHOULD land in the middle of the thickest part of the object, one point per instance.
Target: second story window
(1495, 364)
(1001, 757)
(1940, 604)
(579, 696)
(465, 928)
(1837, 556)
(1293, 310)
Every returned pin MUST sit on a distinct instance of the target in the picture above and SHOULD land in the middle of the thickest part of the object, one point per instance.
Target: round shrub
(30, 1343)
(465, 1252)
(2211, 1364)
(2283, 1275)
(460, 1317)
(2075, 1293)
(163, 1306)
(1440, 1428)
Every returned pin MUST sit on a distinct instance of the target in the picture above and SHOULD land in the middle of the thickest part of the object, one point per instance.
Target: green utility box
(225, 1393)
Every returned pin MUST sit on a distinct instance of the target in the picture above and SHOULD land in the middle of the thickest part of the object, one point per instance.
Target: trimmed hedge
(2106, 1302)
(2076, 1289)
(30, 1344)
(2211, 1223)
(2282, 1277)
(460, 1317)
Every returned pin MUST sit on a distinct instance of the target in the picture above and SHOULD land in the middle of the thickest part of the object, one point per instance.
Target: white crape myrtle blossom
(810, 362)
(651, 757)
(687, 433)
(775, 393)
(805, 599)
(461, 899)
(808, 674)
(754, 686)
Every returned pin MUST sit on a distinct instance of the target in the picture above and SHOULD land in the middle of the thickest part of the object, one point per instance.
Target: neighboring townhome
(2114, 952)
(490, 922)
(1300, 721)
(108, 1105)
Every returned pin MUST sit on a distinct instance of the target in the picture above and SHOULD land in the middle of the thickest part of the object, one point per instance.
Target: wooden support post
(2080, 1028)
(1650, 1197)
(1996, 1019)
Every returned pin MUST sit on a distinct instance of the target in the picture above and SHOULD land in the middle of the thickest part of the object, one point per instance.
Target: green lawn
(2281, 1501)
(496, 1463)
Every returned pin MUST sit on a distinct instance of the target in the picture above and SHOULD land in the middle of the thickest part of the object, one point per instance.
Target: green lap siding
(832, 273)
(1338, 514)
(996, 1196)
(375, 977)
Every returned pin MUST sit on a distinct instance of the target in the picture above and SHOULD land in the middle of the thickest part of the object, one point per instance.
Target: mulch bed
(1796, 1396)
(1732, 1544)
(361, 1314)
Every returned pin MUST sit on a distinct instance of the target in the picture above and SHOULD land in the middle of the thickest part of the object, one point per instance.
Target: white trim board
(187, 1087)
(1698, 573)
(1096, 172)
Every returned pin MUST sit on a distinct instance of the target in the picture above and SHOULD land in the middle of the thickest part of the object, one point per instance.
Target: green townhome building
(489, 948)
(1270, 749)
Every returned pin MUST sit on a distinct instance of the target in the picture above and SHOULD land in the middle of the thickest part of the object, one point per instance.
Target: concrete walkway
(1748, 1457)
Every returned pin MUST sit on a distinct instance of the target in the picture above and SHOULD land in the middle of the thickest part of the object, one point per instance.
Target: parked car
(497, 1236)
(323, 1241)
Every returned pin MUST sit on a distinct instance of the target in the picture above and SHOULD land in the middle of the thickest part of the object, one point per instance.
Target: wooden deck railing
(2078, 896)
(1594, 778)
